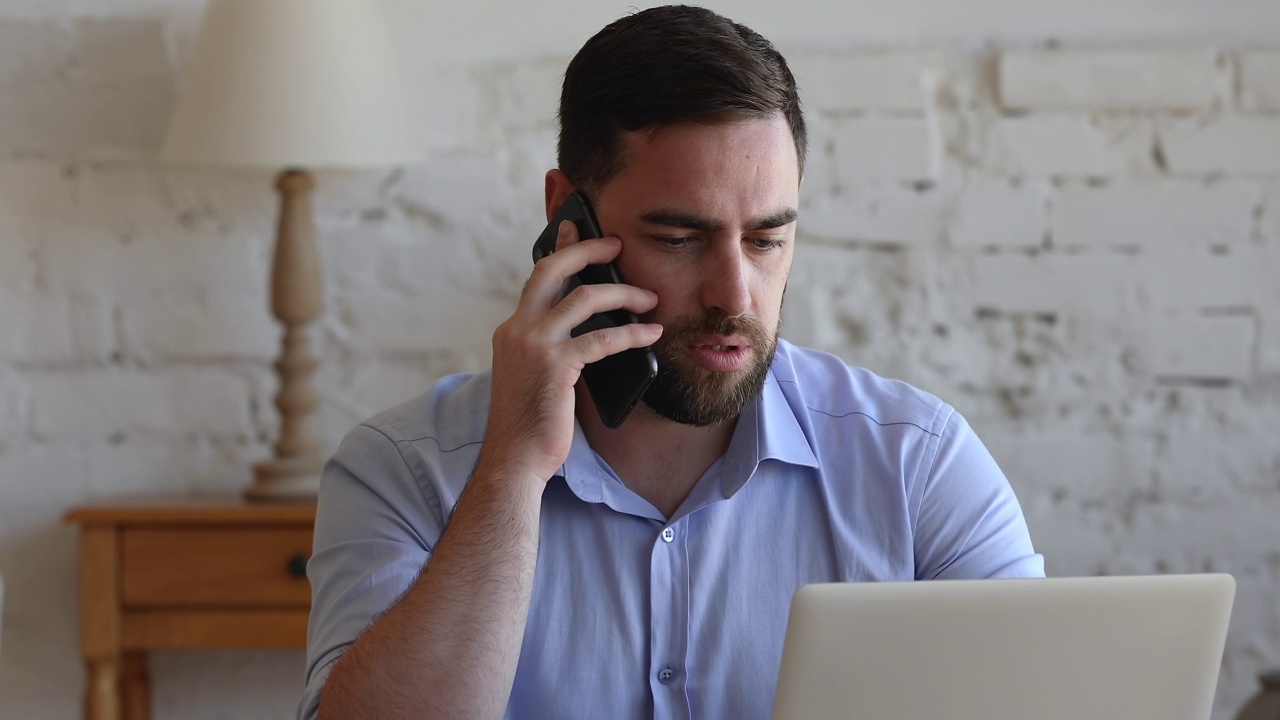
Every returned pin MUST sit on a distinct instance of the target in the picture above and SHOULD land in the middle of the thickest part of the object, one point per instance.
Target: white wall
(1085, 267)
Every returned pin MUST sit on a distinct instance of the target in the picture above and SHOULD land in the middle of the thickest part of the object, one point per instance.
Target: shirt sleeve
(375, 529)
(969, 524)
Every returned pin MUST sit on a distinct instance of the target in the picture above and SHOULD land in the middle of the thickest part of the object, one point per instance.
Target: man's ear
(558, 188)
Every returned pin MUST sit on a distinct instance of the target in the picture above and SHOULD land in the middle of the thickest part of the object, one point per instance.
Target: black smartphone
(617, 382)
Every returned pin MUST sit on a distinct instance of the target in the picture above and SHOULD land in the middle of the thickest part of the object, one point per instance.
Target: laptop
(1101, 648)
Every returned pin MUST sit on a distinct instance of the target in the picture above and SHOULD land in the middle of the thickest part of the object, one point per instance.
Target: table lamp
(293, 85)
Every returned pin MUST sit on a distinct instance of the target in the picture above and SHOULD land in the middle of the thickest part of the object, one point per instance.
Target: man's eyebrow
(785, 216)
(700, 223)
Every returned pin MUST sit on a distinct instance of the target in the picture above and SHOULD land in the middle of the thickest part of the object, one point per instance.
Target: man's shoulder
(452, 414)
(823, 386)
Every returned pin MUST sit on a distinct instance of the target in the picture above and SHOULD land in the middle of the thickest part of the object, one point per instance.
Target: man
(491, 549)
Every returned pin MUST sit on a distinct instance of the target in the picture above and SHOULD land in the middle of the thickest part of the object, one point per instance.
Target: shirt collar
(767, 430)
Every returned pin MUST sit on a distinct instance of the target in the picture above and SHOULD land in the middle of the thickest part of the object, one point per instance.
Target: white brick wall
(172, 404)
(885, 148)
(1122, 80)
(1260, 80)
(1089, 285)
(1069, 146)
(995, 213)
(1212, 348)
(1222, 145)
(1077, 247)
(1154, 215)
(875, 213)
(880, 81)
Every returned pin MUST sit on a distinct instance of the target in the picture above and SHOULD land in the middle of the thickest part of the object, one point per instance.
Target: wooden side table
(190, 573)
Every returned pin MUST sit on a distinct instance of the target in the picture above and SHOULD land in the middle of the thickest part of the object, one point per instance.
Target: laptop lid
(1103, 648)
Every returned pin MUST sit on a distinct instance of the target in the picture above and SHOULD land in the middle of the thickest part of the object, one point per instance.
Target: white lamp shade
(294, 83)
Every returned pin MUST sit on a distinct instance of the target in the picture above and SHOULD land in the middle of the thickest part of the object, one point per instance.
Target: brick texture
(1089, 80)
(1077, 247)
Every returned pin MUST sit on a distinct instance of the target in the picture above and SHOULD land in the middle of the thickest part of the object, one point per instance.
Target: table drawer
(222, 566)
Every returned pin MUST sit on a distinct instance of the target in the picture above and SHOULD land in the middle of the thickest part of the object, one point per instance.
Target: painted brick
(1086, 285)
(1198, 533)
(1260, 80)
(1077, 466)
(1210, 348)
(1201, 464)
(49, 120)
(203, 194)
(200, 327)
(18, 271)
(15, 406)
(1069, 145)
(994, 213)
(30, 191)
(441, 318)
(119, 50)
(39, 327)
(1269, 218)
(34, 50)
(1074, 541)
(529, 94)
(1240, 145)
(1113, 79)
(177, 403)
(1269, 343)
(836, 301)
(1191, 279)
(875, 213)
(1154, 215)
(41, 481)
(86, 261)
(152, 466)
(360, 390)
(886, 148)
(820, 172)
(466, 121)
(881, 81)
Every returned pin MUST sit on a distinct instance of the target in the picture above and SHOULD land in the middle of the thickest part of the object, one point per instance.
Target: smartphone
(617, 382)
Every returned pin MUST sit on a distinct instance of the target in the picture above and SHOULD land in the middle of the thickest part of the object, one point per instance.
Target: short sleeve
(970, 524)
(375, 529)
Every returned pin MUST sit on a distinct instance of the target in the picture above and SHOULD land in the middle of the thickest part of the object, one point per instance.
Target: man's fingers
(587, 300)
(566, 234)
(599, 344)
(547, 282)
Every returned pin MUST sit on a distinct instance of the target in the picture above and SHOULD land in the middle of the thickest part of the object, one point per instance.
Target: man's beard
(688, 393)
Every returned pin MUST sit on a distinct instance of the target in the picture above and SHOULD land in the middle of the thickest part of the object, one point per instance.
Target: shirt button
(666, 675)
(668, 534)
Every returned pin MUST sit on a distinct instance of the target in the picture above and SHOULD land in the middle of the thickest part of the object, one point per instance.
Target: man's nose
(725, 282)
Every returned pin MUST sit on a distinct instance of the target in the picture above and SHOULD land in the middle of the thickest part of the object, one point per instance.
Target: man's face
(706, 213)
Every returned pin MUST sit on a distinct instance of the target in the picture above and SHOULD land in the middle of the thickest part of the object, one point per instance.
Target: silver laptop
(1101, 648)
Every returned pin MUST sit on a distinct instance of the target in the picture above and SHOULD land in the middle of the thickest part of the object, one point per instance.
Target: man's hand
(536, 363)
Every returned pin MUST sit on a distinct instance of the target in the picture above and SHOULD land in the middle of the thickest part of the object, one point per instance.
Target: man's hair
(662, 66)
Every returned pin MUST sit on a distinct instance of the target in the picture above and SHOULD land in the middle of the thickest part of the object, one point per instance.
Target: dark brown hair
(662, 66)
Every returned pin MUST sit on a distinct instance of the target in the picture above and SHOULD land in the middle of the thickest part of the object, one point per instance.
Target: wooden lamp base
(296, 300)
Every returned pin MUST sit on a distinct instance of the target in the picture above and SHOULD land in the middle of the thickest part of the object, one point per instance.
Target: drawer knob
(298, 566)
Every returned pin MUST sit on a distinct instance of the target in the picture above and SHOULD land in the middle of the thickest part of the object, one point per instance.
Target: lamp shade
(294, 83)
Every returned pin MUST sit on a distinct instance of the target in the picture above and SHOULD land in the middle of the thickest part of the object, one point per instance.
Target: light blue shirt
(833, 474)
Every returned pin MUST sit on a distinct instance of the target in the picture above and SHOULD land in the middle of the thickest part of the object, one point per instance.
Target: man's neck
(656, 458)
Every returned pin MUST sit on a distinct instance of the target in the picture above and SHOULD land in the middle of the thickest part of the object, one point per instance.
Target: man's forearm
(449, 647)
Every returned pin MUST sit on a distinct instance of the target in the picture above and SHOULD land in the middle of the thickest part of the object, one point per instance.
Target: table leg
(137, 687)
(102, 699)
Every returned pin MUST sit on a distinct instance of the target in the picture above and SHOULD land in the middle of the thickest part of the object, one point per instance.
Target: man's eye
(767, 243)
(675, 243)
